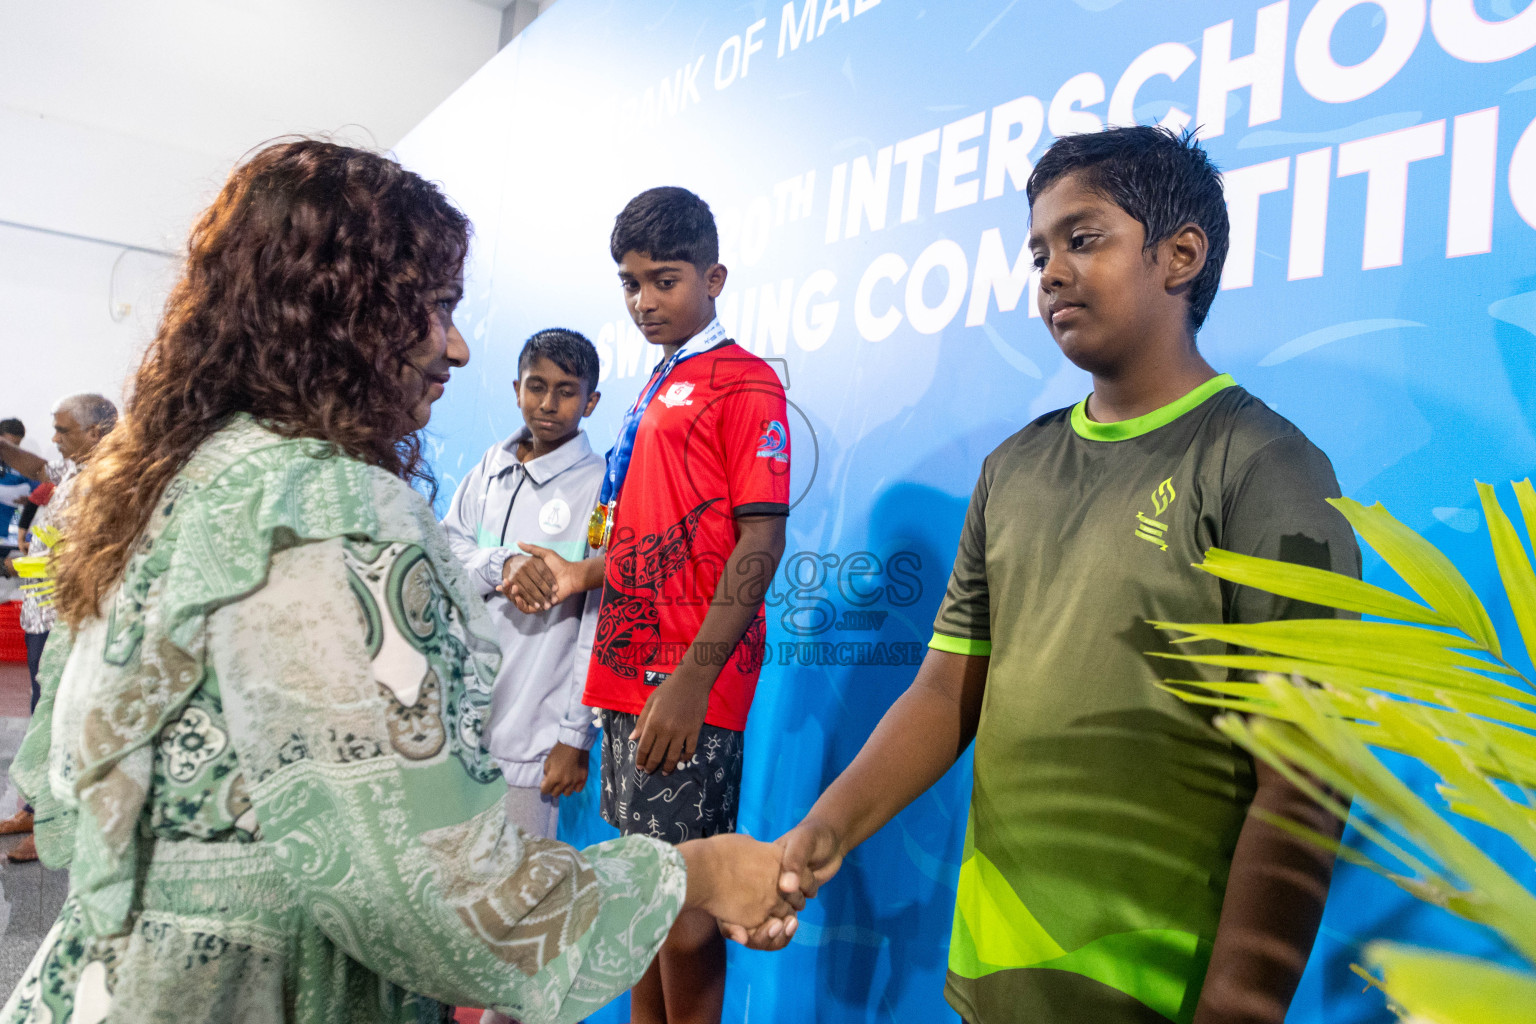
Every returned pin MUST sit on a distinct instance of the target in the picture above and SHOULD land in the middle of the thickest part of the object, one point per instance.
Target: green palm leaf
(1514, 566)
(1314, 698)
(1317, 586)
(1422, 567)
(1437, 988)
(1525, 496)
(1490, 698)
(1399, 651)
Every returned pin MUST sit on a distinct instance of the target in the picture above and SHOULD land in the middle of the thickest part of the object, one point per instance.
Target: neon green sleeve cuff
(961, 645)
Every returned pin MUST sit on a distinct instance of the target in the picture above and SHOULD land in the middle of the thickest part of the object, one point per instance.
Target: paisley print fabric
(197, 789)
(263, 768)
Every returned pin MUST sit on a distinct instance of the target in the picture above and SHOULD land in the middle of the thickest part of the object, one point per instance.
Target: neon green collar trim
(1148, 422)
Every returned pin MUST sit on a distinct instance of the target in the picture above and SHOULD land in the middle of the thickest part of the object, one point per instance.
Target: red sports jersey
(712, 445)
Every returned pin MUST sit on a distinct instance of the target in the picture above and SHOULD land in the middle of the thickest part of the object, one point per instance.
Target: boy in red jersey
(692, 516)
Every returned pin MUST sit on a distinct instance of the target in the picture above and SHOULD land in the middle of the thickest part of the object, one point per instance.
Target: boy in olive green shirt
(1111, 871)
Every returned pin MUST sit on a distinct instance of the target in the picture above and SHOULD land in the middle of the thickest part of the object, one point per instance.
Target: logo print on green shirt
(1149, 529)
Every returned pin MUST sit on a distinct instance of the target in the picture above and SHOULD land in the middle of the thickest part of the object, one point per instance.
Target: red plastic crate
(13, 642)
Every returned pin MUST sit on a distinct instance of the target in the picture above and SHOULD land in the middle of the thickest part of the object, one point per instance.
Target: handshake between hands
(754, 890)
(540, 579)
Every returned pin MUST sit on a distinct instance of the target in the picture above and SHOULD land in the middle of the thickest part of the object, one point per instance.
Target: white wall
(119, 120)
(58, 334)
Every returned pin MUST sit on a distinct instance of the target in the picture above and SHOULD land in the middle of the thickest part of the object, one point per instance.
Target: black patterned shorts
(695, 801)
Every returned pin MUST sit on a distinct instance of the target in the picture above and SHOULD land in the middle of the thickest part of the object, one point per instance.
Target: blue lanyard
(622, 450)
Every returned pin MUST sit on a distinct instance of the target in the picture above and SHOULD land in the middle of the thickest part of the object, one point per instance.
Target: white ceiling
(118, 117)
(217, 76)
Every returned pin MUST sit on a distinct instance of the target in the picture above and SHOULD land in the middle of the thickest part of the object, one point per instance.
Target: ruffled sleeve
(53, 818)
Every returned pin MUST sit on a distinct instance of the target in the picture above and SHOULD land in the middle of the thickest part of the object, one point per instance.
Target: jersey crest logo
(677, 395)
(1151, 530)
(774, 441)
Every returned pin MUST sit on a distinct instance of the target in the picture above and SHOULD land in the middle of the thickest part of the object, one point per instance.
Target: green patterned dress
(262, 768)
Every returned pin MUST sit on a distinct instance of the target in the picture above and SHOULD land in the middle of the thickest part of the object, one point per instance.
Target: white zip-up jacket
(545, 501)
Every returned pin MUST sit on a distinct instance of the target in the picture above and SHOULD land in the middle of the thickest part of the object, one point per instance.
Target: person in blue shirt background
(14, 487)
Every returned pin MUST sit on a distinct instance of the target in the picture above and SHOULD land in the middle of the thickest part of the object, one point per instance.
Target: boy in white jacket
(534, 491)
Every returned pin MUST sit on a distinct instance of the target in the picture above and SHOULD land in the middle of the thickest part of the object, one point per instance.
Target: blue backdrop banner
(866, 160)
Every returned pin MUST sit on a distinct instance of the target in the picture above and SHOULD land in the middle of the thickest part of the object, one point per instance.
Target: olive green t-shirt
(1105, 811)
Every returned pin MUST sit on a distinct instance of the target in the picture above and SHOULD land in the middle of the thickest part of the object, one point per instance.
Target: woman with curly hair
(257, 748)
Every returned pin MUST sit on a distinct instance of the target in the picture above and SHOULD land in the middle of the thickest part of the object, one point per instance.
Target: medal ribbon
(619, 455)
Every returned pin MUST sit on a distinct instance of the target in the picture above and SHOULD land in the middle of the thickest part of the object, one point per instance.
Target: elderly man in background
(79, 424)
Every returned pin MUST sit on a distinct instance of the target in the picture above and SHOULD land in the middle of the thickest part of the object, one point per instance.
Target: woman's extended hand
(736, 879)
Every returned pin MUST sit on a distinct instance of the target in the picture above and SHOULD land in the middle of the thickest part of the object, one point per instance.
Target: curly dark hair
(1163, 179)
(308, 285)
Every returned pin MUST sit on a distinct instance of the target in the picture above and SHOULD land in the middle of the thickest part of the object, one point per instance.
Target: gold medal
(600, 525)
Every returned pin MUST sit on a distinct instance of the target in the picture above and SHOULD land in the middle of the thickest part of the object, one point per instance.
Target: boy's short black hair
(1162, 179)
(13, 427)
(667, 223)
(569, 350)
